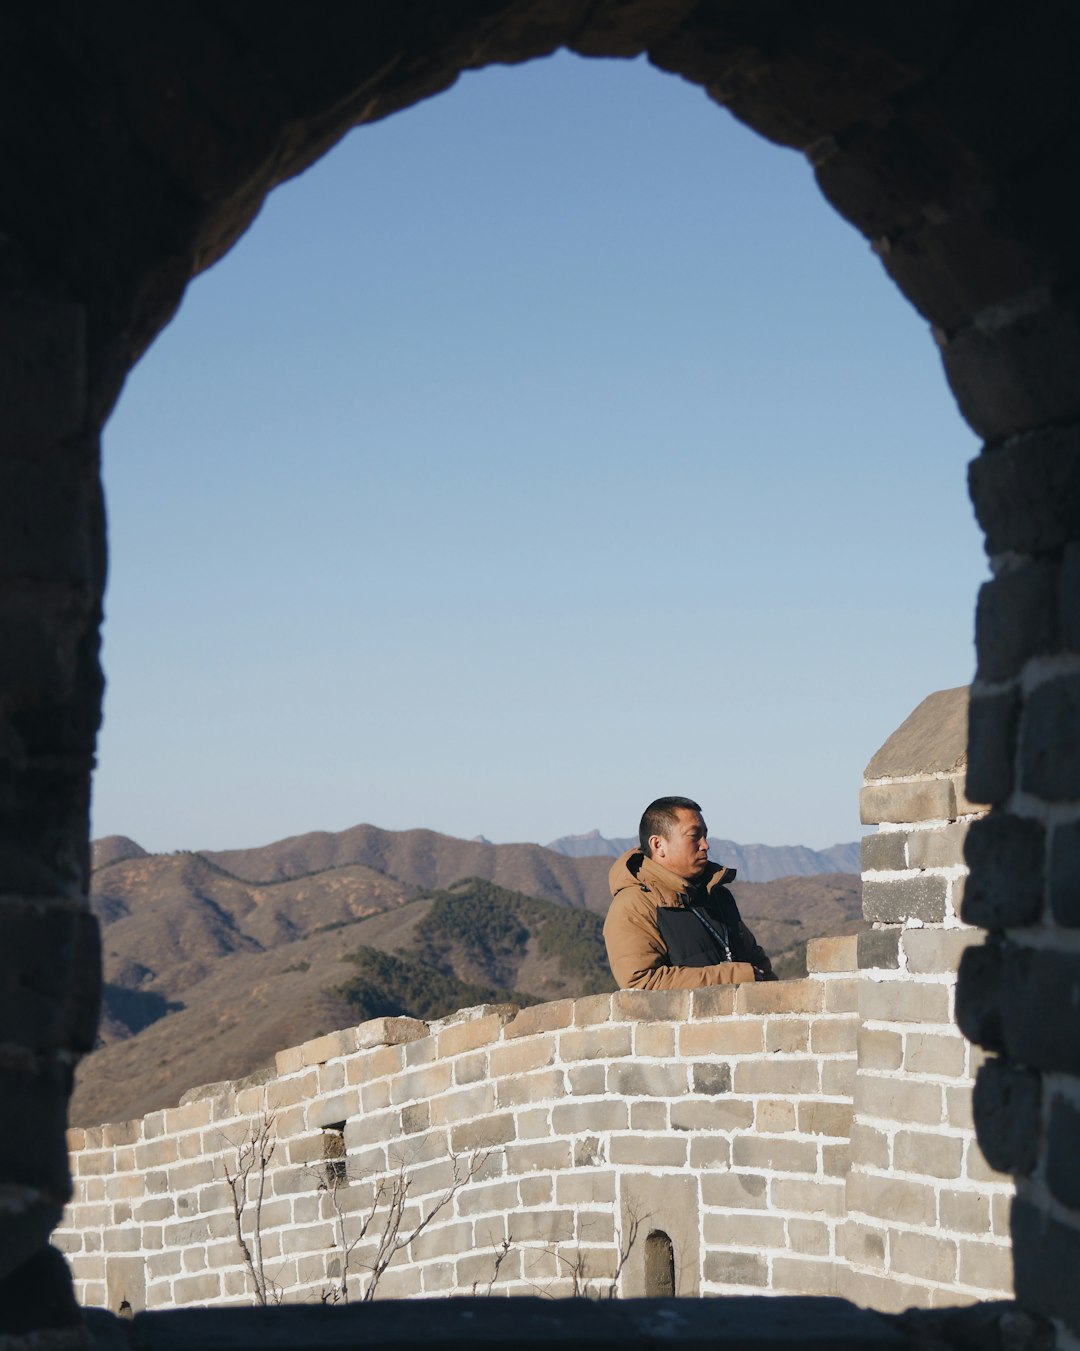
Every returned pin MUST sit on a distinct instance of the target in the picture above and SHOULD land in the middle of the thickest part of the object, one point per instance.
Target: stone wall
(924, 1208)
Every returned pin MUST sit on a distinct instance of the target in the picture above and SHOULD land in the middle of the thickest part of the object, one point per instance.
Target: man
(673, 924)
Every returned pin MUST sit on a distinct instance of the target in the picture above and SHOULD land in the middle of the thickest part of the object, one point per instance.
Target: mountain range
(213, 961)
(754, 862)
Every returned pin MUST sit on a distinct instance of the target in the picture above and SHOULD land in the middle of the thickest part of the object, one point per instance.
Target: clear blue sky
(547, 447)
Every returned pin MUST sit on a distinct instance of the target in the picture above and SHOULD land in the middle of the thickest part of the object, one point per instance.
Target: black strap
(721, 937)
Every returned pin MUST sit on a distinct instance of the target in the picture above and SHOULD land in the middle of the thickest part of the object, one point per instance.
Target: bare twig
(253, 1155)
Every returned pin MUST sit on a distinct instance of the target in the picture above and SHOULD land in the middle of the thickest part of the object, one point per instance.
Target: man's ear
(656, 846)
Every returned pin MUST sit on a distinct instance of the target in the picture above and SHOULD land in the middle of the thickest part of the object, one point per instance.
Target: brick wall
(809, 1136)
(927, 1218)
(720, 1118)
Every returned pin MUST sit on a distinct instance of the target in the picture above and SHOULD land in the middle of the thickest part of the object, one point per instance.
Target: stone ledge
(741, 1323)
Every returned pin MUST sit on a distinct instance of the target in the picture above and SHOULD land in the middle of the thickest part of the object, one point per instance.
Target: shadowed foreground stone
(757, 1323)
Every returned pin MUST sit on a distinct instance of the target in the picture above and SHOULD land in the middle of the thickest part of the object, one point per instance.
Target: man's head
(673, 832)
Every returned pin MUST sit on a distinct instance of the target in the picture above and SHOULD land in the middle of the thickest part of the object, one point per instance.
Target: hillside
(209, 972)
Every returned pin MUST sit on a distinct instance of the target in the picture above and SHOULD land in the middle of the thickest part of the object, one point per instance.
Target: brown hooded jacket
(637, 953)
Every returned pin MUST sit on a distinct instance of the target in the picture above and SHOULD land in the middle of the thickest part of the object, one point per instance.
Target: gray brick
(921, 897)
(1051, 722)
(879, 948)
(903, 803)
(736, 1268)
(1005, 885)
(941, 848)
(1015, 619)
(993, 726)
(711, 1079)
(883, 851)
(640, 1081)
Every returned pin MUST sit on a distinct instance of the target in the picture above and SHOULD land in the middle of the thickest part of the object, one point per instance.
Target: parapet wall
(721, 1119)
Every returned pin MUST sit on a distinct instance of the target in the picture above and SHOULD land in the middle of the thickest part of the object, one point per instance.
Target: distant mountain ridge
(754, 862)
(214, 961)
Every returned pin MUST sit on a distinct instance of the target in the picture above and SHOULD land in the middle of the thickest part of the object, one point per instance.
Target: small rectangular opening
(335, 1168)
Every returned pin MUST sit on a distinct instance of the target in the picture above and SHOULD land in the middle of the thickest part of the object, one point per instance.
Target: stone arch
(141, 141)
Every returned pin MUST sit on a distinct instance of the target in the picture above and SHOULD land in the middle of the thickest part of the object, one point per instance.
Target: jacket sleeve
(638, 958)
(758, 956)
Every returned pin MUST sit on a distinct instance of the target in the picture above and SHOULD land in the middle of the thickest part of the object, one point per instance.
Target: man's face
(685, 851)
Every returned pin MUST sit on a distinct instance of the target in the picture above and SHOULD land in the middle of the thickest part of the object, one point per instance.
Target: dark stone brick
(38, 1295)
(50, 977)
(996, 1325)
(1019, 376)
(878, 948)
(993, 724)
(1062, 1154)
(1069, 600)
(1023, 1003)
(978, 995)
(712, 1079)
(1027, 492)
(883, 852)
(1005, 855)
(33, 1145)
(1007, 1104)
(905, 898)
(1046, 1258)
(1049, 741)
(1065, 874)
(1016, 618)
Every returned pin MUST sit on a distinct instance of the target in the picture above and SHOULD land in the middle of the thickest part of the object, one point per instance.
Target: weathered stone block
(389, 1032)
(735, 1190)
(648, 1151)
(825, 1118)
(650, 1115)
(710, 1079)
(1051, 720)
(927, 1153)
(540, 1018)
(933, 951)
(780, 996)
(717, 1114)
(922, 1255)
(892, 1199)
(804, 1276)
(520, 1090)
(1005, 886)
(752, 1231)
(586, 1081)
(712, 1001)
(787, 1034)
(722, 1038)
(521, 1057)
(545, 1155)
(593, 1009)
(1007, 1111)
(425, 1082)
(642, 1081)
(572, 1118)
(1027, 492)
(650, 1005)
(831, 954)
(654, 1041)
(884, 852)
(777, 1076)
(1065, 874)
(902, 898)
(774, 1155)
(774, 1116)
(986, 1266)
(870, 1147)
(609, 1041)
(736, 1268)
(483, 1134)
(901, 803)
(942, 847)
(1015, 619)
(809, 1198)
(833, 1036)
(898, 1099)
(863, 1244)
(925, 1053)
(904, 1001)
(965, 1211)
(878, 949)
(995, 720)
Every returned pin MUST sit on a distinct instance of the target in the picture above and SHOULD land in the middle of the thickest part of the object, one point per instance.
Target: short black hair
(661, 817)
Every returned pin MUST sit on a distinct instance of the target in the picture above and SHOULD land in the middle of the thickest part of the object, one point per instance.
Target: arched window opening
(659, 1266)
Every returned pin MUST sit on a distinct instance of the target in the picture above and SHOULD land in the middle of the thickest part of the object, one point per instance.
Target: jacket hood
(627, 869)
